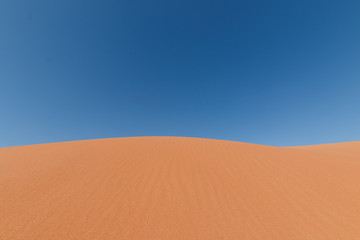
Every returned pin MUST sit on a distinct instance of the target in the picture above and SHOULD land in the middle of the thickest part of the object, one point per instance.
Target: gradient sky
(268, 72)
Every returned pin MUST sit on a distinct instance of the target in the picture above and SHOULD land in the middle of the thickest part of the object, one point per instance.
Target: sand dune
(179, 188)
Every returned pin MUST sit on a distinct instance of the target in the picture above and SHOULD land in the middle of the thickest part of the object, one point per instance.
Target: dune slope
(179, 188)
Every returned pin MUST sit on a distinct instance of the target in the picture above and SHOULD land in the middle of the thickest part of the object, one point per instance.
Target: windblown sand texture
(171, 188)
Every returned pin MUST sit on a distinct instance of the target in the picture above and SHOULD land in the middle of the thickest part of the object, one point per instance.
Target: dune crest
(179, 188)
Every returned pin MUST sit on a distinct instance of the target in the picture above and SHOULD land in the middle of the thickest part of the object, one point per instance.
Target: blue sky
(268, 72)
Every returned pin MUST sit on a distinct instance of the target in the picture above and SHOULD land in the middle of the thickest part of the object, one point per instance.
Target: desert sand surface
(179, 188)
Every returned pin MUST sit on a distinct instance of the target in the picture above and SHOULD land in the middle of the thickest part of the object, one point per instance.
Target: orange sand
(179, 188)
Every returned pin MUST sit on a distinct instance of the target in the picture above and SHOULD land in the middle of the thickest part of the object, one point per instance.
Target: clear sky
(268, 72)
